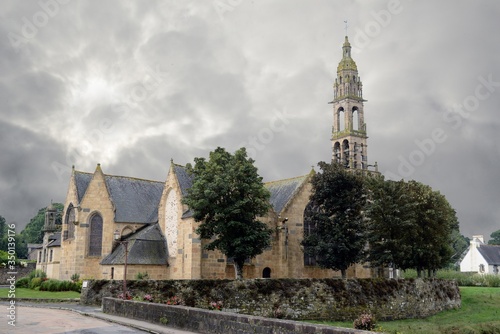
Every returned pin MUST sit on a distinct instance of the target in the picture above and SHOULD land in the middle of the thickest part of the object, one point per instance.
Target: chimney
(477, 240)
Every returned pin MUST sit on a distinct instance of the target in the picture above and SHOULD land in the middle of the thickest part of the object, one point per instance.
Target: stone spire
(349, 130)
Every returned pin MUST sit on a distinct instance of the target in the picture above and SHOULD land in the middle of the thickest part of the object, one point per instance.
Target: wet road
(31, 320)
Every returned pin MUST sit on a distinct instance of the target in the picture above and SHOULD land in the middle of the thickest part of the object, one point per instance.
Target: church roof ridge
(287, 179)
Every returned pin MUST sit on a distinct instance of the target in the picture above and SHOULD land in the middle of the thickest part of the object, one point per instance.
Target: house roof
(490, 253)
(135, 200)
(283, 191)
(146, 246)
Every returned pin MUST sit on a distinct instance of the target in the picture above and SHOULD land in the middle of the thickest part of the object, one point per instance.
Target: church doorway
(266, 273)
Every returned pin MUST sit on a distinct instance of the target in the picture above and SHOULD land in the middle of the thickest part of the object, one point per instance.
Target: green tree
(389, 214)
(410, 226)
(495, 238)
(33, 232)
(337, 236)
(3, 227)
(460, 244)
(227, 197)
(430, 236)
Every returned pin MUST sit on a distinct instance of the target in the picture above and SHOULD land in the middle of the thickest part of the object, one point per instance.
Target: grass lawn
(28, 293)
(480, 313)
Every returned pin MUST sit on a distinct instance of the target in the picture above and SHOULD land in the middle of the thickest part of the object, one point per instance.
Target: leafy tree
(337, 236)
(33, 232)
(410, 226)
(459, 244)
(3, 227)
(495, 238)
(435, 220)
(227, 196)
(389, 212)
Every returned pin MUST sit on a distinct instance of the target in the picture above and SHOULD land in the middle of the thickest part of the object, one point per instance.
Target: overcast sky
(133, 84)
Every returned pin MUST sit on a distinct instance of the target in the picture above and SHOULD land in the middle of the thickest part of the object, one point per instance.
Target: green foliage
(3, 228)
(411, 226)
(463, 279)
(337, 236)
(35, 282)
(495, 238)
(227, 196)
(75, 277)
(56, 285)
(141, 276)
(37, 273)
(32, 233)
(23, 282)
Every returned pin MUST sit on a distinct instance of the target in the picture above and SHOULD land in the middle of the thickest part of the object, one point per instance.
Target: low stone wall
(20, 272)
(204, 321)
(321, 299)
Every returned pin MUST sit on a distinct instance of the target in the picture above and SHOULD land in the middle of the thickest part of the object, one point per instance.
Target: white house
(481, 258)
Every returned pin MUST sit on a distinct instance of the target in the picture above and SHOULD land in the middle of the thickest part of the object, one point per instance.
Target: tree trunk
(344, 273)
(238, 269)
(419, 273)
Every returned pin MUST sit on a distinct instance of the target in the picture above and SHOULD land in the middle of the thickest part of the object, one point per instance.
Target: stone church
(110, 221)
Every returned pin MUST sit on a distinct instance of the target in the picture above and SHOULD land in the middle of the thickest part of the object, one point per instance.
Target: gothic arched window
(95, 237)
(70, 222)
(309, 227)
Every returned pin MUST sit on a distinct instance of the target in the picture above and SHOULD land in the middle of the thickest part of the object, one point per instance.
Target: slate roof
(55, 240)
(146, 246)
(282, 191)
(135, 200)
(490, 253)
(185, 180)
(82, 181)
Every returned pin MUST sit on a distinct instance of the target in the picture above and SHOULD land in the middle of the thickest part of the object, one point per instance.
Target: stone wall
(204, 321)
(20, 272)
(321, 299)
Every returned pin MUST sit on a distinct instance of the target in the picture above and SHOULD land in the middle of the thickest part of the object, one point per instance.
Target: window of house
(39, 256)
(481, 268)
(50, 255)
(95, 237)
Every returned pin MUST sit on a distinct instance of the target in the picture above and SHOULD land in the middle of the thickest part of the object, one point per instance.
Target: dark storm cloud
(28, 180)
(132, 84)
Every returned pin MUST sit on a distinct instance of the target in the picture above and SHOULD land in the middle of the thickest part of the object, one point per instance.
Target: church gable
(171, 209)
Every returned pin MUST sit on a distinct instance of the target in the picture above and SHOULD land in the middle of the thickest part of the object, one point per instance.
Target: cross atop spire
(346, 26)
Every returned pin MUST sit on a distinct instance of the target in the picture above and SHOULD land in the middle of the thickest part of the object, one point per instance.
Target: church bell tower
(349, 128)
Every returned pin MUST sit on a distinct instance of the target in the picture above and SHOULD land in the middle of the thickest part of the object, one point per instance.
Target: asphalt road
(40, 318)
(37, 320)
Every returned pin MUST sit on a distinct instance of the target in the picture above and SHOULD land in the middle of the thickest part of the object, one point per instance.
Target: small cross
(346, 27)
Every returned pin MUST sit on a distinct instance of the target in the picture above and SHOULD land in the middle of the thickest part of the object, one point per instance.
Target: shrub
(35, 283)
(50, 285)
(75, 277)
(141, 276)
(37, 273)
(365, 321)
(23, 282)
